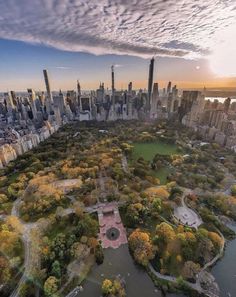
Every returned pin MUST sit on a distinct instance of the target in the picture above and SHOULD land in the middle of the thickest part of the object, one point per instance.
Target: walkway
(112, 232)
(124, 164)
(186, 215)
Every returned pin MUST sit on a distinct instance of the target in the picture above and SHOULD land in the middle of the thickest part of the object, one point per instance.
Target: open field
(148, 150)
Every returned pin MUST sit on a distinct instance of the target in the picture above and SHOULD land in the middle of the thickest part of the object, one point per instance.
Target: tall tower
(130, 87)
(112, 80)
(9, 101)
(169, 88)
(227, 104)
(79, 93)
(46, 79)
(32, 98)
(150, 81)
(113, 85)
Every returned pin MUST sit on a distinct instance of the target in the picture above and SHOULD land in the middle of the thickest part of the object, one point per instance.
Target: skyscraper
(150, 81)
(32, 98)
(130, 87)
(113, 85)
(169, 88)
(78, 93)
(227, 104)
(46, 79)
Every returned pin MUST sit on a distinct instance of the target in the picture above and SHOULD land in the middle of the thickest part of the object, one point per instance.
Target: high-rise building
(46, 79)
(150, 82)
(130, 87)
(112, 85)
(227, 104)
(59, 101)
(9, 101)
(32, 98)
(191, 107)
(155, 96)
(78, 92)
(100, 93)
(71, 100)
(169, 88)
(112, 80)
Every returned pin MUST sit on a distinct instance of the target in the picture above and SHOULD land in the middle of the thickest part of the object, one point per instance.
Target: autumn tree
(190, 270)
(50, 286)
(165, 233)
(107, 287)
(141, 247)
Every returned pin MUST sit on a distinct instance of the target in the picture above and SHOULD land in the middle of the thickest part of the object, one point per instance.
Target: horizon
(63, 38)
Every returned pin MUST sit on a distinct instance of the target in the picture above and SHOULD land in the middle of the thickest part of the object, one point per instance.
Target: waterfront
(118, 262)
(225, 270)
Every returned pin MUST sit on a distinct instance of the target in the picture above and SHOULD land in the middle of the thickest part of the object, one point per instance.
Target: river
(225, 269)
(119, 262)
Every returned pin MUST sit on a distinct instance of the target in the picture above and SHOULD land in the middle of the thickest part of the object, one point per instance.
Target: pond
(119, 262)
(225, 270)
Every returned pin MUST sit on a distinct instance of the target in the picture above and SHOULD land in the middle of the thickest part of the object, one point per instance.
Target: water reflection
(119, 262)
(225, 270)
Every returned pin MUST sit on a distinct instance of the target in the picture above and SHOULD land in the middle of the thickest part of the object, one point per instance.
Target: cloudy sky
(193, 41)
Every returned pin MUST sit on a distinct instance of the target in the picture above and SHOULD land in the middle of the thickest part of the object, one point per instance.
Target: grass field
(149, 149)
(162, 174)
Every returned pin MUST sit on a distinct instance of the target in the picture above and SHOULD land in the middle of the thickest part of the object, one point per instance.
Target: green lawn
(162, 174)
(148, 150)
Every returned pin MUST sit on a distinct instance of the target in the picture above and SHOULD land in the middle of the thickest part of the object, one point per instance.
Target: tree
(141, 247)
(190, 270)
(3, 198)
(233, 190)
(165, 232)
(56, 269)
(99, 255)
(50, 286)
(5, 272)
(216, 239)
(107, 287)
(113, 288)
(27, 289)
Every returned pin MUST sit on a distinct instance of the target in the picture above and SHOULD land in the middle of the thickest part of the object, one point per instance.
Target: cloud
(62, 67)
(183, 28)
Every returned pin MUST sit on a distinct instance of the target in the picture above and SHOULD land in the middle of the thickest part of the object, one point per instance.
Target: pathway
(112, 231)
(27, 228)
(124, 164)
(186, 215)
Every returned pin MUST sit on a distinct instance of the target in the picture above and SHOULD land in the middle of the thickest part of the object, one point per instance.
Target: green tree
(56, 269)
(99, 255)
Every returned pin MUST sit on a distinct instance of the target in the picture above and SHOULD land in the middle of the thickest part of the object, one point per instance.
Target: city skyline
(192, 43)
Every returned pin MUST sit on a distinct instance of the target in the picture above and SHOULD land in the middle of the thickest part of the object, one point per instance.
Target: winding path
(197, 286)
(25, 236)
(186, 215)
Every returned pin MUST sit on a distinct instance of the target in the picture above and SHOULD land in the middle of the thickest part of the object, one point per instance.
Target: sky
(193, 43)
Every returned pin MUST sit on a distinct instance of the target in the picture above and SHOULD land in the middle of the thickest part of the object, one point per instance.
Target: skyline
(192, 43)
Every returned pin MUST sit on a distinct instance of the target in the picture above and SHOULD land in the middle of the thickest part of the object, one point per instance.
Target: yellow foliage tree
(141, 247)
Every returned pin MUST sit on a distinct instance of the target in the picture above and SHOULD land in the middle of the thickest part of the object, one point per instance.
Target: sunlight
(223, 58)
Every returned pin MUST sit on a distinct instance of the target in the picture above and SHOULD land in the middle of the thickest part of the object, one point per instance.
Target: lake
(119, 262)
(225, 269)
